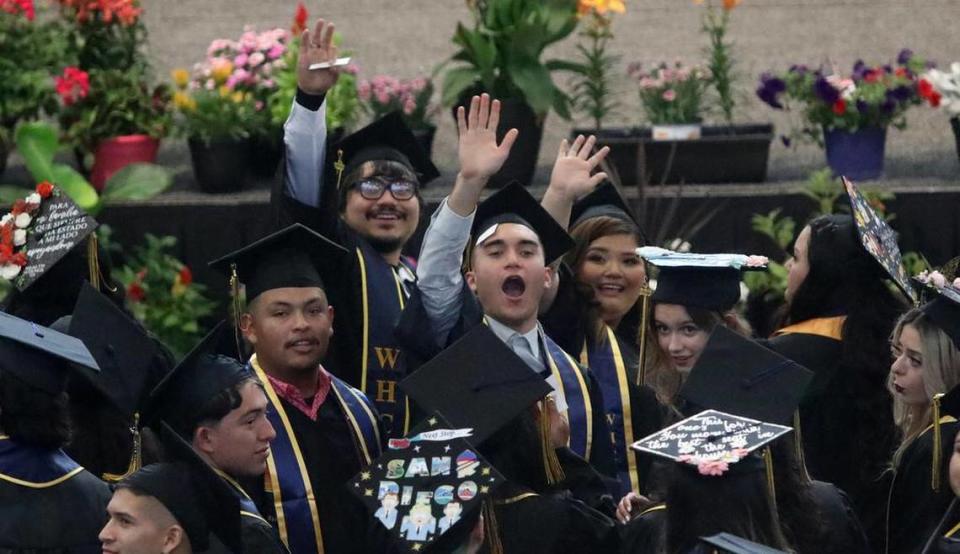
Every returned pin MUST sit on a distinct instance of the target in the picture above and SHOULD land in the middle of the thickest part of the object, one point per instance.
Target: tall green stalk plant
(719, 59)
(593, 92)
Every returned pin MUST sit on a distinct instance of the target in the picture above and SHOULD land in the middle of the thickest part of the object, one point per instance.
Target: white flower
(956, 283)
(757, 261)
(19, 237)
(23, 220)
(947, 83)
(34, 198)
(6, 219)
(9, 271)
(938, 279)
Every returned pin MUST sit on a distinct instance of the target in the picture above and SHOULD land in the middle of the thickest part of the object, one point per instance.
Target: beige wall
(409, 37)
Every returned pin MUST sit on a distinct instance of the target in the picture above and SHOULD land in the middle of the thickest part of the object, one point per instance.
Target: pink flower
(275, 52)
(409, 106)
(241, 60)
(256, 59)
(757, 261)
(382, 96)
(938, 279)
(714, 468)
(351, 68)
(669, 95)
(956, 283)
(419, 84)
(258, 105)
(363, 90)
(269, 83)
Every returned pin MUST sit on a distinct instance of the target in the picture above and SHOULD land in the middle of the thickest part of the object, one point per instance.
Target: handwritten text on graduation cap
(709, 435)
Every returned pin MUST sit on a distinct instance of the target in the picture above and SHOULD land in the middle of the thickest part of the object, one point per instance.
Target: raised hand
(571, 176)
(316, 47)
(480, 155)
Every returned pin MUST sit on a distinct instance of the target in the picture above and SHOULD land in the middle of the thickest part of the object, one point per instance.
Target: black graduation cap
(944, 311)
(40, 356)
(514, 204)
(735, 374)
(387, 138)
(425, 485)
(121, 347)
(732, 544)
(196, 496)
(478, 382)
(711, 436)
(202, 374)
(290, 257)
(878, 238)
(710, 281)
(607, 201)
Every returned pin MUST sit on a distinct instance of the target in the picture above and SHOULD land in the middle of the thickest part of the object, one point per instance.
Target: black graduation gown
(344, 287)
(258, 536)
(62, 519)
(829, 437)
(550, 523)
(946, 537)
(914, 508)
(564, 323)
(840, 529)
(331, 459)
(420, 345)
(645, 532)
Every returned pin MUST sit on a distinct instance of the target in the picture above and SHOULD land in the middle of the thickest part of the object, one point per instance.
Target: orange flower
(730, 4)
(600, 6)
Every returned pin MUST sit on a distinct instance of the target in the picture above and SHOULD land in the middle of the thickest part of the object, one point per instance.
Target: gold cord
(644, 323)
(937, 444)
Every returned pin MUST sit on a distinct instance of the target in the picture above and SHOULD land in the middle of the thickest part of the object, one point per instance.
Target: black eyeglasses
(373, 189)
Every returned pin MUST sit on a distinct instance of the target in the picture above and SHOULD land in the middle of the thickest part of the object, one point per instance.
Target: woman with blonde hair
(926, 364)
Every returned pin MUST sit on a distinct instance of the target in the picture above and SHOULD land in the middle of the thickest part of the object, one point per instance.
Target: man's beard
(385, 246)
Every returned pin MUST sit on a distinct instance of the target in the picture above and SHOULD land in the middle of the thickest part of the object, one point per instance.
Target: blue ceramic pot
(857, 155)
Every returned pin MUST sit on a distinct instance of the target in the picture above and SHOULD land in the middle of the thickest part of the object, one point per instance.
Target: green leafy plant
(502, 53)
(38, 144)
(162, 294)
(671, 93)
(593, 90)
(719, 55)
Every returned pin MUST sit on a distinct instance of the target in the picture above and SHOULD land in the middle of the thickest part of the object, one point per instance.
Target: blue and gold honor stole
(606, 362)
(575, 394)
(360, 415)
(36, 468)
(298, 518)
(247, 507)
(381, 364)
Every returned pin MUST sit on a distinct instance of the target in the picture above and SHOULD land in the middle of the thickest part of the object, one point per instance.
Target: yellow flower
(180, 77)
(601, 6)
(224, 91)
(237, 97)
(184, 101)
(221, 70)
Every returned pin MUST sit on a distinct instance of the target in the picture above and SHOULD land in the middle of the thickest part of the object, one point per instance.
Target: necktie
(521, 347)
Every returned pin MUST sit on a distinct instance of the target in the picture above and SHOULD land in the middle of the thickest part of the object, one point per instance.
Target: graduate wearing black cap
(597, 313)
(510, 241)
(840, 314)
(945, 539)
(48, 502)
(926, 365)
(217, 404)
(326, 429)
(364, 193)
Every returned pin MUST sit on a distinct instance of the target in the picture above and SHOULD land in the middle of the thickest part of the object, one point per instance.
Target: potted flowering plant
(29, 50)
(384, 94)
(110, 108)
(944, 92)
(849, 114)
(502, 54)
(671, 96)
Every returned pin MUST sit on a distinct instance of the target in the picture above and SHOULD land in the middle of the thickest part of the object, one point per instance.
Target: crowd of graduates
(522, 368)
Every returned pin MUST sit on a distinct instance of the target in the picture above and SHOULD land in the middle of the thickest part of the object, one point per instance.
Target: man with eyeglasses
(363, 193)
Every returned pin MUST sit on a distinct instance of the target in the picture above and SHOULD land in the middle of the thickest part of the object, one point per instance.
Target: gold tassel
(771, 484)
(339, 166)
(551, 464)
(93, 264)
(136, 456)
(644, 323)
(235, 299)
(491, 531)
(937, 444)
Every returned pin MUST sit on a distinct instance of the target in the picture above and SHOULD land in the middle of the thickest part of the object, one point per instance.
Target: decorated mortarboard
(878, 238)
(120, 346)
(40, 356)
(736, 375)
(40, 230)
(387, 138)
(732, 544)
(514, 204)
(192, 491)
(425, 484)
(710, 281)
(940, 290)
(606, 201)
(202, 374)
(477, 382)
(712, 440)
(291, 257)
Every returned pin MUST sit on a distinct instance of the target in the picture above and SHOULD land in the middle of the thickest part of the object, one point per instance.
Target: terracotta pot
(115, 153)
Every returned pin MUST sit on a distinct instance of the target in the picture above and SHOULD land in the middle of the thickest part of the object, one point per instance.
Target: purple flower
(799, 69)
(902, 93)
(904, 56)
(887, 106)
(770, 88)
(785, 140)
(888, 69)
(862, 107)
(825, 91)
(859, 69)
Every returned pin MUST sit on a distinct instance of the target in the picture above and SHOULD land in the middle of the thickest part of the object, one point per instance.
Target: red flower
(924, 88)
(185, 276)
(6, 251)
(900, 72)
(136, 292)
(6, 234)
(299, 20)
(840, 107)
(15, 7)
(73, 85)
(20, 259)
(19, 207)
(45, 189)
(934, 99)
(871, 76)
